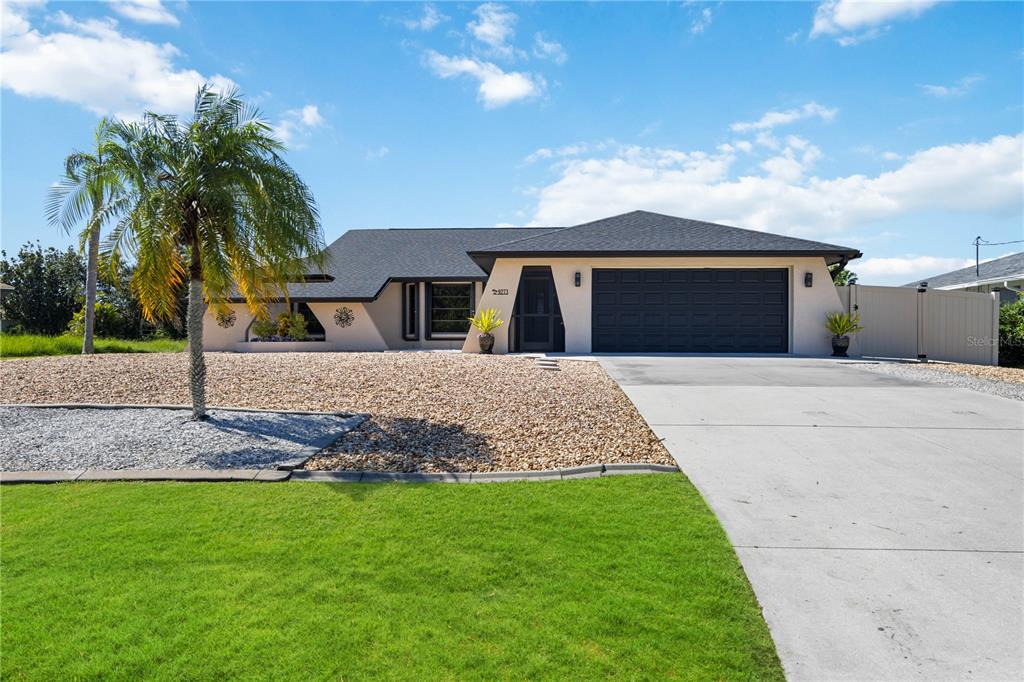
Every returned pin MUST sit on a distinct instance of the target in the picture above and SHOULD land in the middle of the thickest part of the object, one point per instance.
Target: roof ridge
(448, 229)
(550, 230)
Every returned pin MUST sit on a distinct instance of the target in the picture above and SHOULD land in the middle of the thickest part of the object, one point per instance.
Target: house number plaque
(499, 292)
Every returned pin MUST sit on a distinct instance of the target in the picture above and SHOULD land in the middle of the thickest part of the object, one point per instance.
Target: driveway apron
(878, 519)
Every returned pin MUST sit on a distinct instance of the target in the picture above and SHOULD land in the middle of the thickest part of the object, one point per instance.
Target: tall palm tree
(209, 199)
(86, 191)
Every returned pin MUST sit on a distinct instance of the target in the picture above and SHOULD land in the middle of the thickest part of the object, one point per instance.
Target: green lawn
(627, 577)
(27, 345)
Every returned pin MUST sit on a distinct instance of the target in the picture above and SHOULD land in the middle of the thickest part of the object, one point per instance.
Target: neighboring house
(1005, 275)
(4, 288)
(638, 282)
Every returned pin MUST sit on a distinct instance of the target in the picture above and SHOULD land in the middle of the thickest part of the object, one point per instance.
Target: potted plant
(842, 325)
(486, 321)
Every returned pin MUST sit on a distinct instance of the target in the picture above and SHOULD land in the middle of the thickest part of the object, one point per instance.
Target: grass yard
(614, 577)
(30, 345)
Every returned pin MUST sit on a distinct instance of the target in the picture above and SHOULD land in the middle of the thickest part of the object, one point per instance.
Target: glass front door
(538, 319)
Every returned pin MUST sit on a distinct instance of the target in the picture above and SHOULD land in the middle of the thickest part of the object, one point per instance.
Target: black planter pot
(486, 343)
(840, 344)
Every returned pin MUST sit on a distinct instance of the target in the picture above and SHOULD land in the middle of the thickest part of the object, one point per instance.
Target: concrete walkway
(879, 519)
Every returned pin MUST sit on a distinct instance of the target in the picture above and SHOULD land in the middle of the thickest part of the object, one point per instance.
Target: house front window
(449, 307)
(410, 311)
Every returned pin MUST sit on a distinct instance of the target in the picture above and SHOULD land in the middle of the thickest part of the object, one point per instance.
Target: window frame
(428, 325)
(411, 311)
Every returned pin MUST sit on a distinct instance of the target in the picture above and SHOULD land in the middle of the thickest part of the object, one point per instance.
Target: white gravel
(934, 374)
(42, 438)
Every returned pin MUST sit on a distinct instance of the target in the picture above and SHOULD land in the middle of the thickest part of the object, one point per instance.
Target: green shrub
(109, 322)
(264, 329)
(297, 328)
(1011, 334)
(284, 321)
(291, 327)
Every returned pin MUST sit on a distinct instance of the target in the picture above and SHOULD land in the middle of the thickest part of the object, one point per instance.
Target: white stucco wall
(807, 305)
(217, 338)
(362, 334)
(377, 326)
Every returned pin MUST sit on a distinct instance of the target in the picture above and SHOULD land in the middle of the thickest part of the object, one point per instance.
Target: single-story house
(1005, 275)
(637, 282)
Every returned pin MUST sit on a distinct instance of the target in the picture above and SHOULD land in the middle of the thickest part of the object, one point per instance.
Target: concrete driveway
(879, 519)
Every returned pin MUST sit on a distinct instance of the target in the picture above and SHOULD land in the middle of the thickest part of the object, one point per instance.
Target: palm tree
(209, 199)
(86, 191)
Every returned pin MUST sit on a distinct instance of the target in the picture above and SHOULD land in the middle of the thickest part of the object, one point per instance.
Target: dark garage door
(691, 311)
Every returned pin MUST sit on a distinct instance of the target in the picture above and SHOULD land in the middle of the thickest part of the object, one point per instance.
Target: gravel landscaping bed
(41, 439)
(1007, 382)
(428, 411)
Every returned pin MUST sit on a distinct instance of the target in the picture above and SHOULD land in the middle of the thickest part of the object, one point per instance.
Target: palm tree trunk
(90, 290)
(196, 362)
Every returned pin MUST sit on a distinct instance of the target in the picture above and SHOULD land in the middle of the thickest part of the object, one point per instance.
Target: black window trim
(428, 322)
(413, 300)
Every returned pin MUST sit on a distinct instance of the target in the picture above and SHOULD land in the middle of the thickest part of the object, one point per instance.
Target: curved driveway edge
(880, 520)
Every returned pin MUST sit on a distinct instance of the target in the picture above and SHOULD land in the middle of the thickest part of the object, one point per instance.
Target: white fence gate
(904, 322)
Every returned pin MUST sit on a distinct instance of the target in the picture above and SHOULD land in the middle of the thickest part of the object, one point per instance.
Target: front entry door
(537, 317)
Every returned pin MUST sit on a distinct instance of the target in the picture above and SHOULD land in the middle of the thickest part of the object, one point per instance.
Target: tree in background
(842, 277)
(86, 192)
(1011, 334)
(210, 201)
(47, 288)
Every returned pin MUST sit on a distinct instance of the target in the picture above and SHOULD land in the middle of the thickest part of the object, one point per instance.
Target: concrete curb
(588, 471)
(274, 475)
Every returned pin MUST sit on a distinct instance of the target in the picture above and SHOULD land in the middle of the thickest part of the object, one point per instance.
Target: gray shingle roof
(1010, 267)
(363, 261)
(643, 232)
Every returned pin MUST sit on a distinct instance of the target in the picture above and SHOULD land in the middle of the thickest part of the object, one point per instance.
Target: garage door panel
(688, 310)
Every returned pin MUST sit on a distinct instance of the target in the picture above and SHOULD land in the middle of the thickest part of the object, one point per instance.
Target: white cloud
(892, 156)
(496, 87)
(854, 21)
(778, 118)
(495, 27)
(428, 21)
(702, 21)
(548, 49)
(974, 178)
(958, 89)
(92, 64)
(14, 16)
(379, 153)
(144, 11)
(908, 267)
(568, 150)
(296, 125)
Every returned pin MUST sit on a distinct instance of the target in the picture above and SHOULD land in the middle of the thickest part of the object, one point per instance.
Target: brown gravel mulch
(1013, 375)
(428, 411)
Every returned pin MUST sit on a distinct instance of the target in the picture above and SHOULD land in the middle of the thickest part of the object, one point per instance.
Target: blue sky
(895, 127)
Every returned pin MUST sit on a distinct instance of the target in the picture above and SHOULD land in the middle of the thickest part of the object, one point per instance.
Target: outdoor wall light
(808, 279)
(578, 279)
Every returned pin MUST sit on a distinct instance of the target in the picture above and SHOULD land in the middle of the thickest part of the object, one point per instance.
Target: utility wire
(978, 243)
(986, 243)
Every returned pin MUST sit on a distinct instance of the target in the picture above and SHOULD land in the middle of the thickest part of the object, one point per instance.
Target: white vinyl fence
(904, 322)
